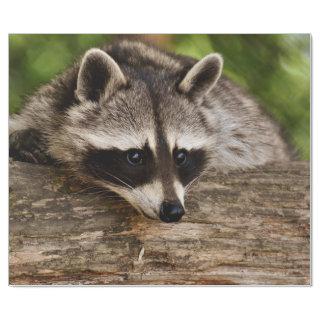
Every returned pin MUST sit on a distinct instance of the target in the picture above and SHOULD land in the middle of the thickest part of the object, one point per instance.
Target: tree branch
(248, 227)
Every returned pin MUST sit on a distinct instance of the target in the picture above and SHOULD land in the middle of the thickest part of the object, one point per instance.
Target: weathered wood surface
(245, 228)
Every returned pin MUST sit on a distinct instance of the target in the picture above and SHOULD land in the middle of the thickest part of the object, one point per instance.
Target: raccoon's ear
(202, 77)
(99, 76)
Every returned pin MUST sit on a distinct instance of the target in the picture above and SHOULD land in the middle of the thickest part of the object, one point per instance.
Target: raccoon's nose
(171, 211)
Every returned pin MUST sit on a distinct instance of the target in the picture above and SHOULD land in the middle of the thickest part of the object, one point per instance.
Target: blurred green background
(273, 68)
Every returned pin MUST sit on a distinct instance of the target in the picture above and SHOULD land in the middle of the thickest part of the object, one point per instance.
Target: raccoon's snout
(171, 211)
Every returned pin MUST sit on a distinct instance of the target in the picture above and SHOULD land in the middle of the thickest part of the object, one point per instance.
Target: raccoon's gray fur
(145, 124)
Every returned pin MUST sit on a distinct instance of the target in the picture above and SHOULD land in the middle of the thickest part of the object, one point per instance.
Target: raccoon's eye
(181, 157)
(135, 157)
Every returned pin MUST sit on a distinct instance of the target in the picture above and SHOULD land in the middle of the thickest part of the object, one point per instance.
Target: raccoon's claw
(26, 146)
(26, 156)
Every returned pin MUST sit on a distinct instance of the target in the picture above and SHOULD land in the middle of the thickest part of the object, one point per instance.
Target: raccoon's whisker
(97, 192)
(110, 198)
(191, 182)
(188, 186)
(98, 196)
(117, 178)
(106, 196)
(92, 200)
(85, 189)
(105, 193)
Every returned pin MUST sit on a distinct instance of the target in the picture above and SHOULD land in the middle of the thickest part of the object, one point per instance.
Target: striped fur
(130, 95)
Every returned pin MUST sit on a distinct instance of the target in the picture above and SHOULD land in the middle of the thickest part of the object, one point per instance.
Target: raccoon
(145, 124)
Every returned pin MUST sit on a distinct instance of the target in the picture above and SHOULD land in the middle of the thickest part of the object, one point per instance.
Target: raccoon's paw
(25, 145)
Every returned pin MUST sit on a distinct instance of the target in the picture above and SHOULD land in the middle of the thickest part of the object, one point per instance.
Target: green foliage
(274, 68)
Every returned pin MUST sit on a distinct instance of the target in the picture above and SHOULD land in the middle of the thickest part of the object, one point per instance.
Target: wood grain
(249, 228)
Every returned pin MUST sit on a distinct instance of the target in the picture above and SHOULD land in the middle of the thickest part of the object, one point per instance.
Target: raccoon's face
(141, 134)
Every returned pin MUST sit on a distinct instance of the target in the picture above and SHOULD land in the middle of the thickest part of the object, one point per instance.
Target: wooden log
(244, 228)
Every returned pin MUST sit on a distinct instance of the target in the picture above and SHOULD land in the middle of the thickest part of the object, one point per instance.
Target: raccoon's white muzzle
(149, 199)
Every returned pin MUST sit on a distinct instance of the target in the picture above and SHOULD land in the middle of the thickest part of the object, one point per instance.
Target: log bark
(249, 228)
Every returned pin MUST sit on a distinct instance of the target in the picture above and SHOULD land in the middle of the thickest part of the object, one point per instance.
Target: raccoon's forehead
(183, 125)
(133, 118)
(111, 135)
(124, 122)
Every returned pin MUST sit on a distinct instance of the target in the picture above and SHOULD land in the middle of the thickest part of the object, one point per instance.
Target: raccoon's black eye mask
(129, 168)
(135, 167)
(189, 164)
